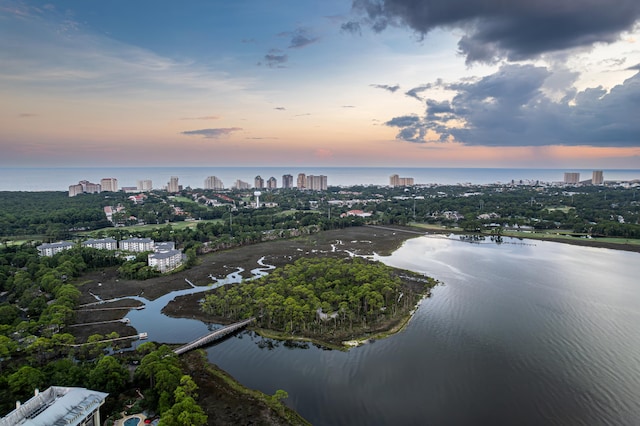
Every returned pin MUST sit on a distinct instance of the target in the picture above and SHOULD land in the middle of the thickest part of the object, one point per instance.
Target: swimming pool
(132, 421)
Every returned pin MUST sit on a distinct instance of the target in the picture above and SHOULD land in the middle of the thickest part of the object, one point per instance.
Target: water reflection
(520, 333)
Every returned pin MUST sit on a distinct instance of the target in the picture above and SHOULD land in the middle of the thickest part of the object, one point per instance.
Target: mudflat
(106, 285)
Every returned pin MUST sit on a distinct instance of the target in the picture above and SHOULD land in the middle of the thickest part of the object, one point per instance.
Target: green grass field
(174, 225)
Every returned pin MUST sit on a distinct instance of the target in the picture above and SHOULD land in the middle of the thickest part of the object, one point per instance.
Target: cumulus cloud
(391, 89)
(515, 30)
(212, 133)
(511, 108)
(280, 108)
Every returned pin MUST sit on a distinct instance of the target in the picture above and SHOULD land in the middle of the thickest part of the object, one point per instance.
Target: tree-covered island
(328, 300)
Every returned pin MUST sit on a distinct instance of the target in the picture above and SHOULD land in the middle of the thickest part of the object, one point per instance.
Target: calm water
(522, 333)
(59, 179)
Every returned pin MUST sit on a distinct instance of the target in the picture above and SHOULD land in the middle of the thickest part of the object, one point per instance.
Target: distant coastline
(59, 179)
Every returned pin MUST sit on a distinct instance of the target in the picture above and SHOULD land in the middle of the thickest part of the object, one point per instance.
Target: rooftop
(56, 406)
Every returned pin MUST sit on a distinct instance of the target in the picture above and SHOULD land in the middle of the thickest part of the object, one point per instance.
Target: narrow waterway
(521, 333)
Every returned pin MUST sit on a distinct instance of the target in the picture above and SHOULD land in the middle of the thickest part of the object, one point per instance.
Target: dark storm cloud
(509, 108)
(212, 133)
(391, 89)
(514, 29)
(635, 67)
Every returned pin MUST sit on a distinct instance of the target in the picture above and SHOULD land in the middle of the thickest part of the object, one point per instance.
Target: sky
(390, 83)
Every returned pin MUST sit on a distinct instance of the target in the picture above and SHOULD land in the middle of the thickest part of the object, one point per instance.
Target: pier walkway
(213, 336)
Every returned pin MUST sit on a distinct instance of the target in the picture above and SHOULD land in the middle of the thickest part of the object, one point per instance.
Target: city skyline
(368, 82)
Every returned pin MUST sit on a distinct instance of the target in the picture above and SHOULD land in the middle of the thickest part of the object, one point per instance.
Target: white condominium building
(53, 248)
(395, 180)
(84, 186)
(172, 185)
(145, 185)
(212, 182)
(165, 260)
(597, 178)
(241, 184)
(137, 244)
(301, 182)
(572, 178)
(109, 184)
(317, 183)
(102, 244)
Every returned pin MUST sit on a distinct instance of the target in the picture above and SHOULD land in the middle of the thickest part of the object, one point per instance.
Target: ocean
(59, 179)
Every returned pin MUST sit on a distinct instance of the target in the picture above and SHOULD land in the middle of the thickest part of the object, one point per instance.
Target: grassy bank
(227, 402)
(627, 244)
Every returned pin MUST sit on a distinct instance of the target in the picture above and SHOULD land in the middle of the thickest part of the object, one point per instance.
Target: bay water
(519, 333)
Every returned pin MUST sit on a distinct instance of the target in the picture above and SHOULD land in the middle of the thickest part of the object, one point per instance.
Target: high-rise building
(572, 178)
(287, 181)
(212, 182)
(75, 190)
(145, 185)
(597, 178)
(109, 184)
(272, 183)
(317, 183)
(241, 184)
(302, 181)
(84, 186)
(395, 180)
(258, 182)
(173, 186)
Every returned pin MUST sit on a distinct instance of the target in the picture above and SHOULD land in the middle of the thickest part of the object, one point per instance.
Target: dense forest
(38, 298)
(52, 216)
(322, 297)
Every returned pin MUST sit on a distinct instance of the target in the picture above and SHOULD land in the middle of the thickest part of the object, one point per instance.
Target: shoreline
(187, 306)
(625, 244)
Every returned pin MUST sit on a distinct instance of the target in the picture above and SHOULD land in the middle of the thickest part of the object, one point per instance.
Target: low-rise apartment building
(101, 243)
(58, 405)
(53, 248)
(165, 260)
(137, 244)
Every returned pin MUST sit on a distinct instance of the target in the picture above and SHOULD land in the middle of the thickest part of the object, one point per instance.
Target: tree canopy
(316, 296)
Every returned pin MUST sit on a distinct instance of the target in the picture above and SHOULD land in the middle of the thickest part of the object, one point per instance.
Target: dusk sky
(433, 83)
